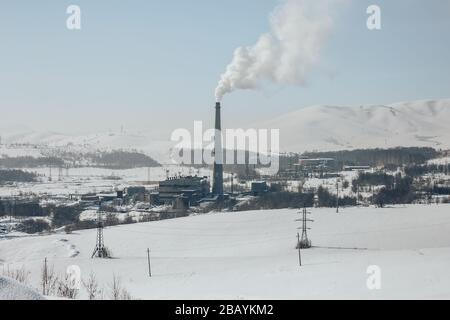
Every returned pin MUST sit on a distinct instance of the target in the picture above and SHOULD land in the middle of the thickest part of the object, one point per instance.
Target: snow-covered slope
(252, 255)
(419, 123)
(32, 143)
(12, 290)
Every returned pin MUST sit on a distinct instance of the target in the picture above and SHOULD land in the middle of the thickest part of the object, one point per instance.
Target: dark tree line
(34, 226)
(30, 162)
(379, 157)
(326, 199)
(63, 215)
(21, 208)
(373, 179)
(116, 159)
(419, 170)
(439, 190)
(16, 176)
(122, 160)
(401, 193)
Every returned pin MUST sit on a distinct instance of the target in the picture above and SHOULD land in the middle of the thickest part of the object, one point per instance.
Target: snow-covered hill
(25, 142)
(321, 128)
(327, 128)
(252, 255)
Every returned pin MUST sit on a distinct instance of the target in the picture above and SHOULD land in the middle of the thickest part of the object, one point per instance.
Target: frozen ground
(251, 255)
(12, 290)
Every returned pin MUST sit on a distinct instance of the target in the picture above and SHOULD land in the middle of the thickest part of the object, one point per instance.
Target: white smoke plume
(285, 55)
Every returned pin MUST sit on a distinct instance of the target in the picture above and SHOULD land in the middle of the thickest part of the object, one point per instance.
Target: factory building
(356, 168)
(183, 192)
(259, 188)
(191, 188)
(316, 166)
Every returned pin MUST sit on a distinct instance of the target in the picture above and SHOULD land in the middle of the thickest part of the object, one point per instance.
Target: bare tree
(65, 288)
(49, 280)
(115, 288)
(20, 275)
(92, 288)
(125, 295)
(117, 291)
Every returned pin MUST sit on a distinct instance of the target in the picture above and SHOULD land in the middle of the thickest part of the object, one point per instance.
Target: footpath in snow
(252, 255)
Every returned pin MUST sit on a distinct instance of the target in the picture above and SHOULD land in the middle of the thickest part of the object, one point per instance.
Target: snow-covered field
(88, 179)
(12, 290)
(251, 255)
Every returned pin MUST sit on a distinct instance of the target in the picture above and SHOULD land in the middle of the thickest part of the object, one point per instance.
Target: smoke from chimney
(285, 55)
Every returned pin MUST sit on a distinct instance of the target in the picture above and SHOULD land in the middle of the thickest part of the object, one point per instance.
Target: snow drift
(12, 290)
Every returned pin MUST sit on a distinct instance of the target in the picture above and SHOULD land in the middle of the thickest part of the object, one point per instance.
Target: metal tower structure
(304, 241)
(100, 250)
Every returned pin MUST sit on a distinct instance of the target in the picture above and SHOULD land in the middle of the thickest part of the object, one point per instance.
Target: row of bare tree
(56, 285)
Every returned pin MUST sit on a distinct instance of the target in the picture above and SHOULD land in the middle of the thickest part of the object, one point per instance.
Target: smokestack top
(217, 104)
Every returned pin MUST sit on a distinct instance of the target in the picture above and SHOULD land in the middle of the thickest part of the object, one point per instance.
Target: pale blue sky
(154, 64)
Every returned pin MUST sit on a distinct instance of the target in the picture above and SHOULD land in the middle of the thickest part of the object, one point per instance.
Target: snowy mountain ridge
(315, 128)
(328, 128)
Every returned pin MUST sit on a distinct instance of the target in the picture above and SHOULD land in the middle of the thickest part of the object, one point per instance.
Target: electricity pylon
(304, 241)
(100, 250)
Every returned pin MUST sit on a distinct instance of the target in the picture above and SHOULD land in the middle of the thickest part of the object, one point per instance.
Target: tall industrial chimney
(217, 189)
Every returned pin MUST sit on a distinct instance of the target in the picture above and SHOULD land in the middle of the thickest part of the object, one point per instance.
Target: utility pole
(148, 259)
(45, 276)
(15, 209)
(373, 195)
(337, 196)
(10, 211)
(299, 252)
(357, 194)
(232, 183)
